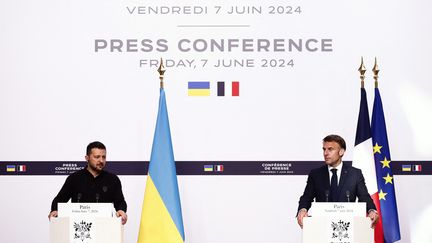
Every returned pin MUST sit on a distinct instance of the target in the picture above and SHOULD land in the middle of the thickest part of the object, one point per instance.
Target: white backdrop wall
(57, 93)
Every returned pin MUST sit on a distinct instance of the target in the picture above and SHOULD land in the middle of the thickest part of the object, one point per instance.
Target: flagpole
(161, 71)
(161, 215)
(362, 70)
(385, 180)
(376, 71)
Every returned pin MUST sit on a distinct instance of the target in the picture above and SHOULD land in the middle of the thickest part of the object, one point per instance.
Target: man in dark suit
(335, 182)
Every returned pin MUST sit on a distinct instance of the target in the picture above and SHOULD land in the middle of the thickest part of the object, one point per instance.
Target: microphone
(97, 197)
(79, 195)
(327, 195)
(348, 196)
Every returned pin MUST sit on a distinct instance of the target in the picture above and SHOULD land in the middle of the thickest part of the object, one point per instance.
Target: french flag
(363, 158)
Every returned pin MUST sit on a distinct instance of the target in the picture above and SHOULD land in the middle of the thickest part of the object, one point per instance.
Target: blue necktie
(333, 186)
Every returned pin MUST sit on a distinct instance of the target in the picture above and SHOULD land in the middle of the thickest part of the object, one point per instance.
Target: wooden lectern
(86, 223)
(337, 222)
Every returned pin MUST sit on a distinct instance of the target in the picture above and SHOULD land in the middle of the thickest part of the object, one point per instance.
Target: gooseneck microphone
(97, 197)
(327, 195)
(348, 196)
(79, 195)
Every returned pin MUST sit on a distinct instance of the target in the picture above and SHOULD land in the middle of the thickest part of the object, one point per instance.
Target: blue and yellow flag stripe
(199, 88)
(157, 224)
(161, 217)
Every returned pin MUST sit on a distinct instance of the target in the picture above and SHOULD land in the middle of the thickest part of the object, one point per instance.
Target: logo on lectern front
(340, 230)
(82, 230)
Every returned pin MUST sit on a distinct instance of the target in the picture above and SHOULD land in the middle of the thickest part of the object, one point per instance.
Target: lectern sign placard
(82, 219)
(104, 210)
(340, 219)
(337, 222)
(340, 208)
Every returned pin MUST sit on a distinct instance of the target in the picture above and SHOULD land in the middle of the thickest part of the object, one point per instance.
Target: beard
(97, 167)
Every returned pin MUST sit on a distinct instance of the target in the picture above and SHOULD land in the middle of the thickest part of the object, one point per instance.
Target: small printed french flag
(22, 168)
(219, 168)
(417, 168)
(235, 88)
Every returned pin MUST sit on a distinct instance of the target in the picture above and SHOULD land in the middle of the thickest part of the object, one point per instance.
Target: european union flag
(385, 179)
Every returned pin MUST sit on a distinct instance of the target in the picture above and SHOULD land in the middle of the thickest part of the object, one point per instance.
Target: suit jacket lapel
(325, 183)
(326, 177)
(344, 176)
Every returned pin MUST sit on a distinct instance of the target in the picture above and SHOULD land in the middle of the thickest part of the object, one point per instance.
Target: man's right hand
(300, 215)
(52, 214)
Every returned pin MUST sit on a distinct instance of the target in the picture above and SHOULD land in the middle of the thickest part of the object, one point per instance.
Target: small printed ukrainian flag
(208, 167)
(406, 167)
(199, 88)
(10, 168)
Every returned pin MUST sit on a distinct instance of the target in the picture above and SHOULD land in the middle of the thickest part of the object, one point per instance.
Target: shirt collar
(339, 167)
(90, 174)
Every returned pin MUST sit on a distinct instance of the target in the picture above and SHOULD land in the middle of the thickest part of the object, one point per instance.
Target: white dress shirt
(338, 172)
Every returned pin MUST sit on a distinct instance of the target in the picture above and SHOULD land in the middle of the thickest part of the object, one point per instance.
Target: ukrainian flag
(208, 167)
(161, 217)
(406, 167)
(10, 168)
(199, 88)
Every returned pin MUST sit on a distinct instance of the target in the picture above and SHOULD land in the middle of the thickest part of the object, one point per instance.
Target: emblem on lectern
(82, 230)
(340, 230)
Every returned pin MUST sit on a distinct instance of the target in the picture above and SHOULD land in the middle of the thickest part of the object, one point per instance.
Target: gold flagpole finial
(161, 71)
(375, 71)
(362, 70)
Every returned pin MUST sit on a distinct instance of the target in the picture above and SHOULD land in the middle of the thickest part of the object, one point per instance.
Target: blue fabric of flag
(363, 131)
(390, 220)
(162, 166)
(198, 85)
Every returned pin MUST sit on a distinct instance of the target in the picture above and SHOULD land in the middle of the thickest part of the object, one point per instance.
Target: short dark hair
(335, 138)
(95, 144)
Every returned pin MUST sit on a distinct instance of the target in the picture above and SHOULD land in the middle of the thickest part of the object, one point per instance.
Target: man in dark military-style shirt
(93, 184)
